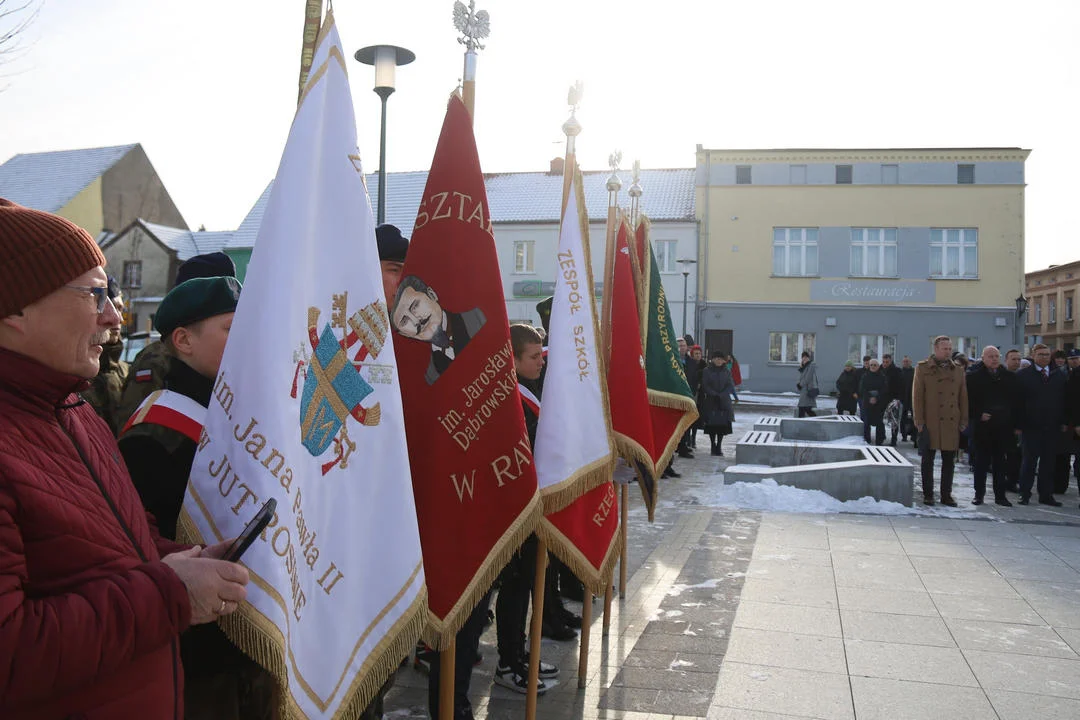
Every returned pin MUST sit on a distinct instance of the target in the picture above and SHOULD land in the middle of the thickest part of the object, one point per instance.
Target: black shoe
(670, 473)
(1003, 501)
(977, 501)
(1050, 501)
(928, 500)
(1025, 498)
(572, 621)
(948, 501)
(572, 590)
(557, 632)
(686, 454)
(717, 452)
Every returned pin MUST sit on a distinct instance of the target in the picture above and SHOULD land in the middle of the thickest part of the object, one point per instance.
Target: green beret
(194, 300)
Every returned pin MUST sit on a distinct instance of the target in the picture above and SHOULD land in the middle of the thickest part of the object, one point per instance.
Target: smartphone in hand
(256, 526)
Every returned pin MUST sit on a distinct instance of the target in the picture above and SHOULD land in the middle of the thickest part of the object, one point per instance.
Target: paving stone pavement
(742, 614)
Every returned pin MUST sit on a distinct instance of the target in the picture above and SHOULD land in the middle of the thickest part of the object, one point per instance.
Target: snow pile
(768, 495)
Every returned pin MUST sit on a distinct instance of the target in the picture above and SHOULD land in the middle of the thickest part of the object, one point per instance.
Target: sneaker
(424, 657)
(548, 671)
(512, 679)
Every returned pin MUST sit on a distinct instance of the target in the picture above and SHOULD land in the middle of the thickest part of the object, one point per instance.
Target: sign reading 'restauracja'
(871, 291)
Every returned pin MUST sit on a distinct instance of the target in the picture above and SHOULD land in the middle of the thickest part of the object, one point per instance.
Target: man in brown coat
(940, 409)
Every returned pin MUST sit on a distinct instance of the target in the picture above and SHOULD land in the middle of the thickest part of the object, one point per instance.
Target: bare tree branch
(15, 18)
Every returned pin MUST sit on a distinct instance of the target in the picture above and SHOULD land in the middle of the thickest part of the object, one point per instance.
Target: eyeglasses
(101, 294)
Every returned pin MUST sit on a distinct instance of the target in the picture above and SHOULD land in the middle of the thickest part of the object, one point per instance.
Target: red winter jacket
(90, 617)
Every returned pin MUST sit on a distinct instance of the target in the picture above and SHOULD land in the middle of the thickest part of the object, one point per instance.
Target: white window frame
(1038, 311)
(940, 243)
(666, 252)
(524, 257)
(1051, 310)
(960, 168)
(792, 344)
(749, 170)
(873, 345)
(796, 240)
(850, 169)
(873, 242)
(1068, 308)
(132, 274)
(969, 345)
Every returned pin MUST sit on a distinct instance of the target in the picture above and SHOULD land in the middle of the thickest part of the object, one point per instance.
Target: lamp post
(686, 263)
(385, 58)
(1021, 311)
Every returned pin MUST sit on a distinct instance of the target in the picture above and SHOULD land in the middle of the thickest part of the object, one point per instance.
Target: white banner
(573, 450)
(307, 410)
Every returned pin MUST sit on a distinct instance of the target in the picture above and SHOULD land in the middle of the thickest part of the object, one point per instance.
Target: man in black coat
(1041, 411)
(992, 409)
(1072, 411)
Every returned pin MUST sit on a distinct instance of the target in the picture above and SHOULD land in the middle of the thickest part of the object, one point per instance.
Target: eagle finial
(473, 25)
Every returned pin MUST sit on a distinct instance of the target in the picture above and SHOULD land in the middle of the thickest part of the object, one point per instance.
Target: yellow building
(848, 253)
(1051, 310)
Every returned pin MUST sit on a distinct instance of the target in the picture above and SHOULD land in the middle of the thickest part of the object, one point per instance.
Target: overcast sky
(209, 86)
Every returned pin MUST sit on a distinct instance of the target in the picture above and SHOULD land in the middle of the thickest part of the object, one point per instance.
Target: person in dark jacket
(907, 380)
(92, 598)
(1072, 408)
(107, 389)
(695, 367)
(1042, 424)
(874, 391)
(847, 390)
(1013, 455)
(992, 411)
(717, 413)
(194, 320)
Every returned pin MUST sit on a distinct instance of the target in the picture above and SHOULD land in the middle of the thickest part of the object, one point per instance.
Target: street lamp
(686, 263)
(385, 58)
(1021, 311)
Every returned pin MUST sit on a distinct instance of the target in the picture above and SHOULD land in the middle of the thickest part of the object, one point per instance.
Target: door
(721, 340)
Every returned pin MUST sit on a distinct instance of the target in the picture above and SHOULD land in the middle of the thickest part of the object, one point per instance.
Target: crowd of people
(1017, 418)
(714, 386)
(102, 612)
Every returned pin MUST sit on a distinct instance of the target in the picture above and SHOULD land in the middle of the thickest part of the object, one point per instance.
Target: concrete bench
(823, 429)
(768, 422)
(844, 472)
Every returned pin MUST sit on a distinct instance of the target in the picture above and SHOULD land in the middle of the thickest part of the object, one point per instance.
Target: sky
(209, 86)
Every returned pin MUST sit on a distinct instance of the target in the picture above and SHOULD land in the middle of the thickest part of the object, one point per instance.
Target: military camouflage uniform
(147, 374)
(105, 391)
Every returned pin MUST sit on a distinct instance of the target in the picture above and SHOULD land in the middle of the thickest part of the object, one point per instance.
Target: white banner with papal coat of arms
(307, 410)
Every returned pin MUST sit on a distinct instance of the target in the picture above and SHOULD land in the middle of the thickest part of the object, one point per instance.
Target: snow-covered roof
(49, 180)
(188, 243)
(524, 197)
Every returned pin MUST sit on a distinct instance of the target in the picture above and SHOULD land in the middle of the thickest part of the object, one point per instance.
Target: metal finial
(635, 189)
(572, 128)
(473, 25)
(614, 184)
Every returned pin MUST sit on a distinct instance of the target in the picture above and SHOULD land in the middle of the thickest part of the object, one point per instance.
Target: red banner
(472, 468)
(583, 535)
(627, 389)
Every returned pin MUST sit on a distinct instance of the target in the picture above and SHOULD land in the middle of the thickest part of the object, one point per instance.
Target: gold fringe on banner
(438, 633)
(594, 579)
(312, 19)
(558, 497)
(262, 641)
(631, 449)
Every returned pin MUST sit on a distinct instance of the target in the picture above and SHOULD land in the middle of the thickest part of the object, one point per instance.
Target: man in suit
(1042, 424)
(418, 315)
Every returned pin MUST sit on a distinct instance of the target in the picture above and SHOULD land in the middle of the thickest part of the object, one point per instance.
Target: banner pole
(446, 681)
(607, 609)
(586, 626)
(613, 186)
(534, 631)
(624, 501)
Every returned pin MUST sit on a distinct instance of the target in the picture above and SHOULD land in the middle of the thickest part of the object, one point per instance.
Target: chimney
(556, 166)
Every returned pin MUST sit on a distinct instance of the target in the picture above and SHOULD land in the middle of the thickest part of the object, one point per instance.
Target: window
(873, 252)
(1051, 310)
(788, 347)
(890, 174)
(742, 174)
(798, 174)
(965, 174)
(843, 174)
(665, 255)
(1031, 311)
(1068, 309)
(523, 256)
(875, 346)
(795, 252)
(954, 253)
(967, 345)
(1038, 311)
(132, 274)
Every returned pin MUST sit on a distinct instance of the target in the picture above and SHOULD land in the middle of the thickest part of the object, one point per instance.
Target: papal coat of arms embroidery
(338, 376)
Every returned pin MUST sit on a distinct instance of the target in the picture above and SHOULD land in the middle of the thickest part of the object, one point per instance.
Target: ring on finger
(221, 610)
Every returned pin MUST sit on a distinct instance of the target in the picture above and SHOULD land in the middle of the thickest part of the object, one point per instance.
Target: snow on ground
(770, 496)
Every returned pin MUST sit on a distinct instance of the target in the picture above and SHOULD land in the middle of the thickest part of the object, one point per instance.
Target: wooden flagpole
(624, 501)
(586, 626)
(535, 630)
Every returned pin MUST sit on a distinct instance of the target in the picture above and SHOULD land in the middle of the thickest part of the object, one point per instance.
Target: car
(136, 341)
